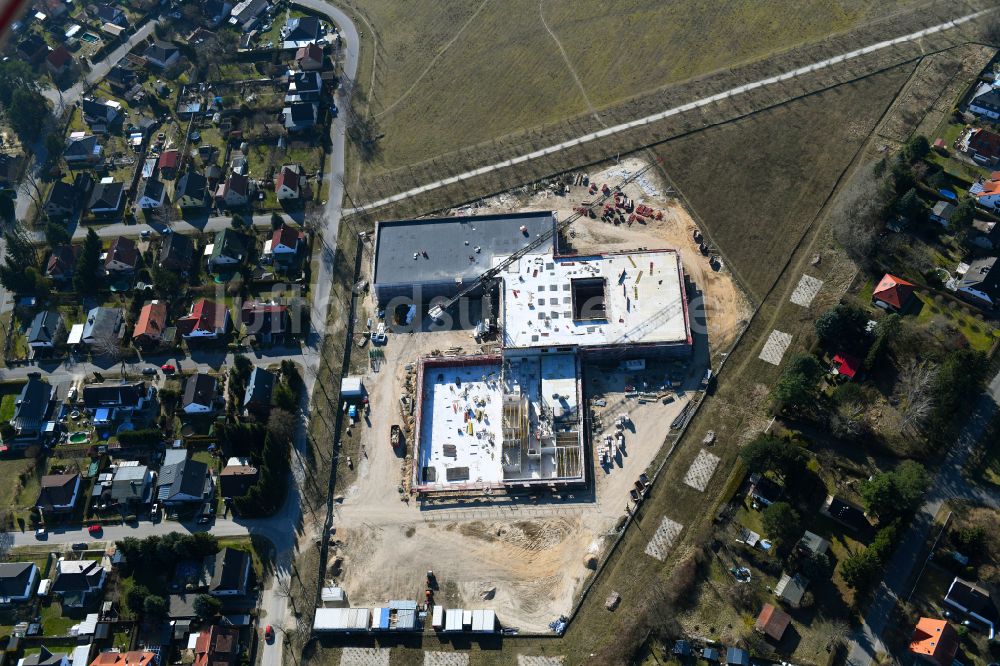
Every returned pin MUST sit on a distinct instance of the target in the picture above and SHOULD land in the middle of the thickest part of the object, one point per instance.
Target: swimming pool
(90, 38)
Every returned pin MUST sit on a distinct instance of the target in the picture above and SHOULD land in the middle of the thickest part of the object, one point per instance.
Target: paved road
(948, 483)
(188, 226)
(662, 115)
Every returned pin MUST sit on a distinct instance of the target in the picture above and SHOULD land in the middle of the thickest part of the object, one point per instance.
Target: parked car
(41, 534)
(79, 545)
(95, 530)
(269, 634)
(167, 368)
(149, 371)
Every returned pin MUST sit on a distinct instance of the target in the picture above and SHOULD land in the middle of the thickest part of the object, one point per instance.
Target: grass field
(504, 67)
(758, 183)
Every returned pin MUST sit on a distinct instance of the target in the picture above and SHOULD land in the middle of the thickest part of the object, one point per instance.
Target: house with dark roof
(974, 601)
(82, 150)
(309, 57)
(200, 393)
(47, 330)
(107, 199)
(45, 657)
(845, 513)
(58, 493)
(227, 251)
(983, 146)
(33, 48)
(168, 162)
(109, 13)
(151, 194)
(299, 31)
(151, 325)
(246, 14)
(185, 482)
(100, 115)
(131, 486)
(934, 641)
(737, 657)
(791, 588)
(122, 256)
(120, 78)
(230, 569)
(207, 319)
(260, 386)
(264, 320)
(215, 12)
(892, 293)
(59, 61)
(300, 116)
(192, 190)
(304, 87)
(18, 581)
(288, 184)
(162, 54)
(102, 324)
(62, 263)
(234, 192)
(32, 408)
(176, 253)
(62, 200)
(942, 213)
(217, 645)
(121, 398)
(772, 622)
(986, 103)
(236, 480)
(285, 242)
(78, 581)
(979, 283)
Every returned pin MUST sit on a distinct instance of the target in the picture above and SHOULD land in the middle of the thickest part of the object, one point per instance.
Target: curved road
(656, 117)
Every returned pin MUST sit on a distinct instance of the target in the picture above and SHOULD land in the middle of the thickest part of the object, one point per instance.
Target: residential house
(59, 61)
(184, 482)
(33, 48)
(737, 657)
(846, 365)
(10, 171)
(122, 256)
(236, 479)
(986, 234)
(200, 393)
(892, 293)
(107, 199)
(192, 190)
(108, 13)
(309, 57)
(300, 31)
(78, 581)
(772, 622)
(151, 194)
(979, 284)
(986, 102)
(131, 658)
(763, 490)
(983, 146)
(260, 386)
(131, 486)
(47, 330)
(162, 54)
(217, 645)
(82, 150)
(264, 320)
(987, 191)
(18, 581)
(972, 600)
(230, 570)
(845, 513)
(934, 641)
(288, 185)
(62, 263)
(107, 402)
(121, 79)
(228, 251)
(285, 242)
(169, 160)
(215, 12)
(299, 116)
(813, 543)
(62, 200)
(942, 213)
(102, 325)
(247, 14)
(176, 253)
(151, 325)
(44, 657)
(304, 87)
(58, 494)
(100, 115)
(234, 192)
(32, 408)
(207, 320)
(791, 589)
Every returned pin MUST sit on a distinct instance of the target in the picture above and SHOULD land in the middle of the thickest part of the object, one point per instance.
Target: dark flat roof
(444, 240)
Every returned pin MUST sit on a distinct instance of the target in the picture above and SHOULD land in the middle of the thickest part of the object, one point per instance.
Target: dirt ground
(523, 557)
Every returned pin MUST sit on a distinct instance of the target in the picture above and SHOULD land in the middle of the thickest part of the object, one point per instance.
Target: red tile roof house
(892, 293)
(983, 146)
(772, 622)
(122, 257)
(207, 320)
(58, 61)
(62, 263)
(264, 319)
(151, 324)
(234, 192)
(934, 641)
(169, 160)
(288, 185)
(846, 365)
(285, 241)
(309, 57)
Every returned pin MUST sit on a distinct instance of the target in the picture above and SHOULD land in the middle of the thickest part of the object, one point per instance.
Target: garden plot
(774, 348)
(701, 470)
(364, 657)
(446, 659)
(529, 660)
(661, 543)
(806, 290)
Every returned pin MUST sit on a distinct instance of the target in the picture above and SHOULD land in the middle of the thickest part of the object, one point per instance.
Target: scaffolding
(515, 429)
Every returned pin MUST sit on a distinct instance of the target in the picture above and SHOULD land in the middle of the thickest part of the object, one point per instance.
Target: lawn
(7, 407)
(54, 623)
(980, 334)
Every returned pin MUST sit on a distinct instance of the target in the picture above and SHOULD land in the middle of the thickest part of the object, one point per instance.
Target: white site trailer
(342, 620)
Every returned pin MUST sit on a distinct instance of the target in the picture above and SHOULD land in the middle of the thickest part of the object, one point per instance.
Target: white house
(152, 194)
(76, 580)
(986, 102)
(207, 319)
(288, 186)
(200, 391)
(162, 54)
(17, 582)
(285, 241)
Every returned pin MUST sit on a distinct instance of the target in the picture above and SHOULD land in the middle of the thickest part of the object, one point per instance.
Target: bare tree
(857, 215)
(110, 345)
(30, 188)
(915, 393)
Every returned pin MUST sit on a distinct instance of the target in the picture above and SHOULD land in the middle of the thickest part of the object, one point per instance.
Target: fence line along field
(453, 73)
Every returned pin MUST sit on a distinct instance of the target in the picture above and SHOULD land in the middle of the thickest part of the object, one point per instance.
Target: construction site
(518, 405)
